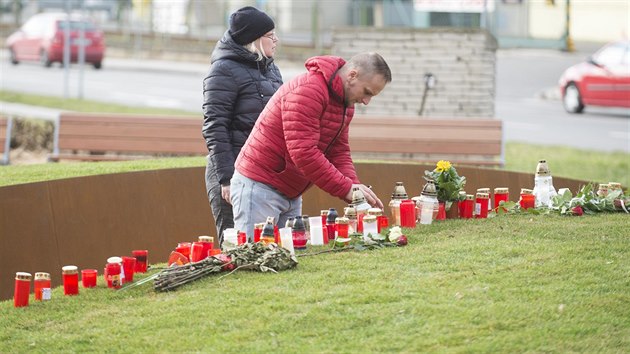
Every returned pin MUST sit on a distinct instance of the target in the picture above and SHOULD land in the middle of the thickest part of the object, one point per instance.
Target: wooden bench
(5, 139)
(466, 141)
(108, 136)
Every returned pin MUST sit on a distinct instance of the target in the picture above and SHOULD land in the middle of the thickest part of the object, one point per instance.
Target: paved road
(527, 100)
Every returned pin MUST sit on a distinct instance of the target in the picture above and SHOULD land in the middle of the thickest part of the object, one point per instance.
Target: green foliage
(78, 105)
(447, 181)
(512, 284)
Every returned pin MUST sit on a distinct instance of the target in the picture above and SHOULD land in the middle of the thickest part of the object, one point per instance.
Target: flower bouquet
(447, 182)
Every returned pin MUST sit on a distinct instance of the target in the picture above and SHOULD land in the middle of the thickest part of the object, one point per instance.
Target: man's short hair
(371, 63)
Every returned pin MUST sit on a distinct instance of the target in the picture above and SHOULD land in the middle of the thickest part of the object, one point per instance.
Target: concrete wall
(462, 60)
(83, 221)
(597, 21)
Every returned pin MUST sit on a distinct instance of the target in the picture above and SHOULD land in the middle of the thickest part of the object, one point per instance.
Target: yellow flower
(443, 166)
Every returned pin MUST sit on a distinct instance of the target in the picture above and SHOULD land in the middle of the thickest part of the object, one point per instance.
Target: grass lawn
(514, 283)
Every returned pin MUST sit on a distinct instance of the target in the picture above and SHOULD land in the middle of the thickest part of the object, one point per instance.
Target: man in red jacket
(301, 139)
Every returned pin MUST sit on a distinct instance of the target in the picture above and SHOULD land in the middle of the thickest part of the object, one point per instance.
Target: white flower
(394, 233)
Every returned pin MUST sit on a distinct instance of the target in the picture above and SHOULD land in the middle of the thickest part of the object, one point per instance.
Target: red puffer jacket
(301, 137)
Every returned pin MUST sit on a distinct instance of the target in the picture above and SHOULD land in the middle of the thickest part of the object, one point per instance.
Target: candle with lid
(350, 212)
(268, 236)
(298, 233)
(469, 207)
(602, 189)
(114, 272)
(427, 204)
(207, 242)
(370, 226)
(42, 286)
(398, 195)
(70, 274)
(381, 220)
(528, 200)
(22, 289)
(481, 205)
(330, 223)
(501, 195)
(543, 185)
(360, 205)
(342, 224)
(486, 191)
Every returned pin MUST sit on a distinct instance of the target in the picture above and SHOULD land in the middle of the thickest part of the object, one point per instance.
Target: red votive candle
(42, 286)
(342, 226)
(481, 205)
(241, 238)
(142, 259)
(88, 277)
(129, 267)
(528, 200)
(407, 213)
(22, 289)
(113, 275)
(208, 243)
(468, 207)
(196, 252)
(501, 194)
(258, 228)
(70, 276)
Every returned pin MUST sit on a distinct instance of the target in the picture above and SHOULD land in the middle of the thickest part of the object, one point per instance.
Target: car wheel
(572, 99)
(13, 57)
(43, 58)
(98, 65)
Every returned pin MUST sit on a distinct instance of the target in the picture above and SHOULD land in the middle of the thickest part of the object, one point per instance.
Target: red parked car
(41, 38)
(602, 80)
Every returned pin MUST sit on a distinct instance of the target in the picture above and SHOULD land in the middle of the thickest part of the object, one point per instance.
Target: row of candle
(115, 271)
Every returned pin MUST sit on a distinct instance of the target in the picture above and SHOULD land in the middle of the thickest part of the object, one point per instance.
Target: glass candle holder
(113, 275)
(22, 289)
(469, 207)
(481, 205)
(258, 228)
(528, 200)
(129, 267)
(184, 248)
(407, 213)
(88, 277)
(370, 226)
(208, 243)
(142, 260)
(487, 191)
(42, 286)
(342, 225)
(70, 276)
(501, 195)
(196, 252)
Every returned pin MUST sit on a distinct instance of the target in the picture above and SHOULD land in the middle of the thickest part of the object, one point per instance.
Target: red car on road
(42, 37)
(602, 80)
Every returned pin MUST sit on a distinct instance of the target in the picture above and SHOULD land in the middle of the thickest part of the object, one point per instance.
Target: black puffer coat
(235, 91)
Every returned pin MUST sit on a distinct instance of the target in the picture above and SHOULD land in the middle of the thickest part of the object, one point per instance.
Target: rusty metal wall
(83, 221)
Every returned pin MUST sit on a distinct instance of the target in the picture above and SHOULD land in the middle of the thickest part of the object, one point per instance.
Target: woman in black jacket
(241, 80)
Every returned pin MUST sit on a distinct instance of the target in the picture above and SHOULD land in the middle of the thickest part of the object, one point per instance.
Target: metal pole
(569, 47)
(66, 53)
(82, 25)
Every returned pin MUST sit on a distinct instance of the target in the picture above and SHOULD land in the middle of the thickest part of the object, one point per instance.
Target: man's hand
(370, 196)
(225, 193)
